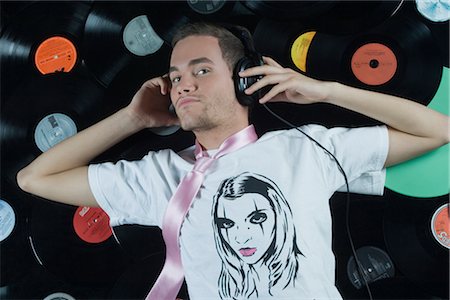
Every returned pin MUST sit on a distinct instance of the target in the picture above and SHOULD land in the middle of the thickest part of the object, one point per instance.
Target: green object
(427, 175)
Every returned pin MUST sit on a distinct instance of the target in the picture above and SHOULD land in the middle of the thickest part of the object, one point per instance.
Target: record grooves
(29, 28)
(119, 35)
(417, 72)
(62, 252)
(411, 244)
(75, 96)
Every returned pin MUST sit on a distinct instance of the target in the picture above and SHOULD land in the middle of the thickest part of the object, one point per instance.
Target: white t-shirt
(260, 226)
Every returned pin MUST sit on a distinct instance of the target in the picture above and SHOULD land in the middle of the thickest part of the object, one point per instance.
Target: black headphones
(251, 59)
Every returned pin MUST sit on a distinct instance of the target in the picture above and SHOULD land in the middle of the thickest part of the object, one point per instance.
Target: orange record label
(91, 224)
(299, 49)
(374, 64)
(55, 54)
(440, 226)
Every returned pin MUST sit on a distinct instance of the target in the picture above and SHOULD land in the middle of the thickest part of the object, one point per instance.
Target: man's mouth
(247, 251)
(185, 101)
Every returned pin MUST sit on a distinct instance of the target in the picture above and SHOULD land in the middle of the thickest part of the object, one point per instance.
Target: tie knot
(203, 163)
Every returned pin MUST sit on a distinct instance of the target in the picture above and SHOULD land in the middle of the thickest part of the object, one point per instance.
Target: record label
(91, 224)
(440, 226)
(299, 49)
(436, 11)
(55, 54)
(7, 220)
(206, 7)
(140, 38)
(59, 296)
(374, 64)
(53, 129)
(375, 263)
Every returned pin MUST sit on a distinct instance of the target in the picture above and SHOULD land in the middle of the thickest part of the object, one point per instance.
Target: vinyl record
(436, 17)
(229, 12)
(38, 283)
(365, 221)
(122, 35)
(46, 110)
(334, 17)
(42, 38)
(139, 241)
(75, 243)
(416, 233)
(8, 10)
(290, 10)
(16, 255)
(137, 280)
(398, 57)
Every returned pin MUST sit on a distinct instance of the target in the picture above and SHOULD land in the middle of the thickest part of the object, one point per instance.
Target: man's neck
(212, 138)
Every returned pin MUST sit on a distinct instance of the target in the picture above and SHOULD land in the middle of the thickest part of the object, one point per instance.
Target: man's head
(230, 45)
(200, 71)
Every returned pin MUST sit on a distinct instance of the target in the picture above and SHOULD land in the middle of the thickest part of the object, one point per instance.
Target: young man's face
(202, 86)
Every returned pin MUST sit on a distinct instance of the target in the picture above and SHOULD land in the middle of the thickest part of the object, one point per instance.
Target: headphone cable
(347, 206)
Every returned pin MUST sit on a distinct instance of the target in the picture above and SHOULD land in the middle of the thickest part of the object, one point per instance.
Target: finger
(261, 70)
(267, 80)
(277, 89)
(271, 61)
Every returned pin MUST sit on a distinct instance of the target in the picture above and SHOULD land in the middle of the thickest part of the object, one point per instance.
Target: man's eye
(202, 71)
(175, 79)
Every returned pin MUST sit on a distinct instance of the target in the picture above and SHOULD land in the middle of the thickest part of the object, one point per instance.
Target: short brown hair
(230, 45)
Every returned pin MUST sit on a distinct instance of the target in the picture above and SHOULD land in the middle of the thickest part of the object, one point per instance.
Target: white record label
(53, 129)
(59, 296)
(140, 38)
(434, 10)
(7, 219)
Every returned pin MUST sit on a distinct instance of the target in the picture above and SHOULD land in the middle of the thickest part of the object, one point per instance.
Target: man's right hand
(150, 105)
(61, 173)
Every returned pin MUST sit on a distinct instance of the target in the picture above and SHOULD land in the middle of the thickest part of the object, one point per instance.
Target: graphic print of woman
(255, 237)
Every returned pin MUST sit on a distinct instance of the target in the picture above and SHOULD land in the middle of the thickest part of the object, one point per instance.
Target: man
(200, 87)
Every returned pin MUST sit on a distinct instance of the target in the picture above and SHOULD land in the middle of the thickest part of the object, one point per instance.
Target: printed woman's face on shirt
(247, 224)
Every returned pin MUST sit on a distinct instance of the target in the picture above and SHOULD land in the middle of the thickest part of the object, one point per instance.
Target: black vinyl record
(122, 35)
(439, 29)
(365, 221)
(137, 280)
(15, 252)
(74, 243)
(398, 57)
(139, 241)
(44, 111)
(334, 17)
(290, 10)
(411, 242)
(38, 283)
(42, 37)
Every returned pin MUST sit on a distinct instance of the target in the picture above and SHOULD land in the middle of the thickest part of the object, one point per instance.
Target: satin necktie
(171, 277)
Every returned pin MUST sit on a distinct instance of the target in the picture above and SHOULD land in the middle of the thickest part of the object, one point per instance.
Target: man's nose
(186, 84)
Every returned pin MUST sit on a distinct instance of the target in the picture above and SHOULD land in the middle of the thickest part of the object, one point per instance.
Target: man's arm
(414, 129)
(60, 174)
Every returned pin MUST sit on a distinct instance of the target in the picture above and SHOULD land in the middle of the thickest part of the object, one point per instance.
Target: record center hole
(374, 63)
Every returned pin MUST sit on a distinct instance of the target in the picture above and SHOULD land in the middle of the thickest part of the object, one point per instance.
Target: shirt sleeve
(134, 192)
(362, 153)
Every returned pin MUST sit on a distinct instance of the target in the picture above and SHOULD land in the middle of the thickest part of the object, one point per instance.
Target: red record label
(55, 54)
(91, 224)
(440, 226)
(374, 64)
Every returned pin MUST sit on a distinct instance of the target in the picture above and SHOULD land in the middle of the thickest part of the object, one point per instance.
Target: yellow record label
(299, 49)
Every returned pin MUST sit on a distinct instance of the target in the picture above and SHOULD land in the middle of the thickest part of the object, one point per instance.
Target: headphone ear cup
(242, 83)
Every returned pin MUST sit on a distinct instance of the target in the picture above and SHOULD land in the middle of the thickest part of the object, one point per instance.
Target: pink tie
(171, 278)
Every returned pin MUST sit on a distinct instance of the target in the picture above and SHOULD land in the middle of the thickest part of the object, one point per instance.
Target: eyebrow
(193, 62)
